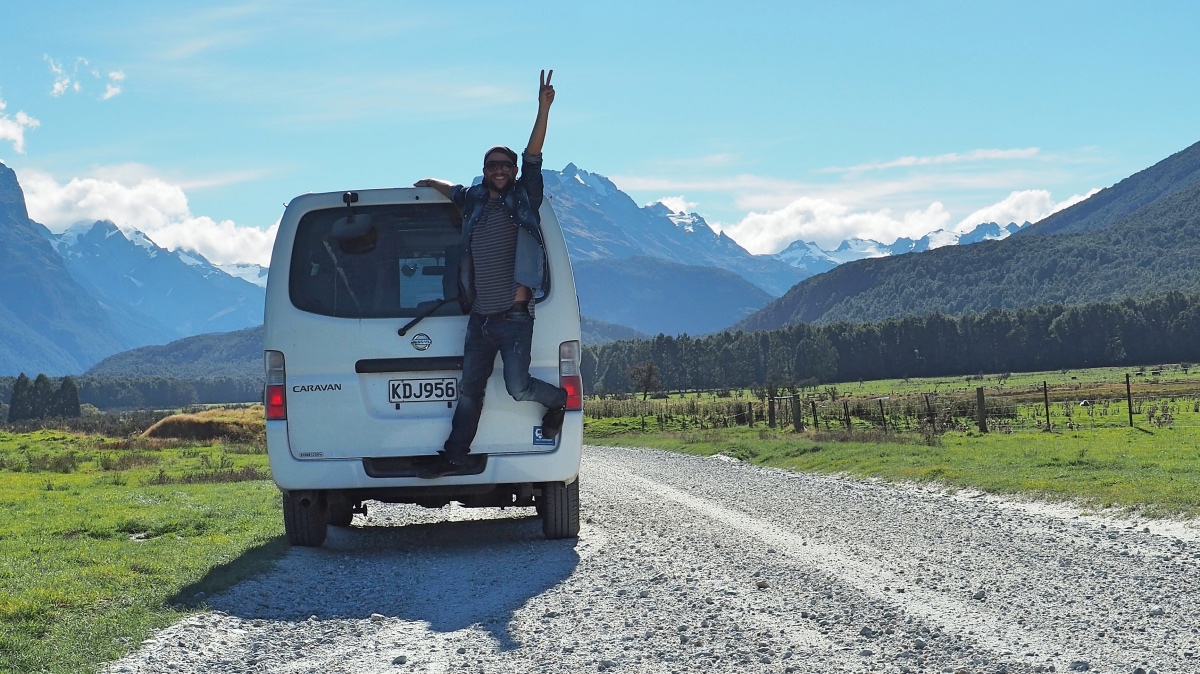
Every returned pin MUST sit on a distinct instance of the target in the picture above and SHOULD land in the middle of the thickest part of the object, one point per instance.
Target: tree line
(1129, 332)
(39, 399)
(108, 393)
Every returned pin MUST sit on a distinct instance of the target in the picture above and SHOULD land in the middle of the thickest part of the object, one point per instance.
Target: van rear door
(356, 388)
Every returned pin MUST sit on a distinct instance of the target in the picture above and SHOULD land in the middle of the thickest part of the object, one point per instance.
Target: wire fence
(993, 409)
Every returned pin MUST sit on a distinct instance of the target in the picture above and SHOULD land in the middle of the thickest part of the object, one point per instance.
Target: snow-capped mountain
(811, 256)
(601, 222)
(158, 294)
(248, 271)
(808, 255)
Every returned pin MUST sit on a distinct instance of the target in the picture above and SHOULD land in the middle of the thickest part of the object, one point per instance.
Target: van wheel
(560, 509)
(341, 513)
(304, 518)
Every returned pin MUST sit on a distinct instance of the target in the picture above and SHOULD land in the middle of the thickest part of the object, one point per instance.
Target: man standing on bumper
(503, 266)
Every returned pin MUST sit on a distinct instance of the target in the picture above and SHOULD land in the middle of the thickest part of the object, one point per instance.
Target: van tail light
(568, 374)
(276, 399)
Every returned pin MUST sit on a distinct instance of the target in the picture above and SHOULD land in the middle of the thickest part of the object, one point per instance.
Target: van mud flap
(409, 466)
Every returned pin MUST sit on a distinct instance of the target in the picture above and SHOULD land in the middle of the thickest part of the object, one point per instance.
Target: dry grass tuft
(234, 425)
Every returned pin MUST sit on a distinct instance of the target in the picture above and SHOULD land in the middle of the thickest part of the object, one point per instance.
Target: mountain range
(1138, 238)
(100, 288)
(166, 294)
(68, 300)
(810, 256)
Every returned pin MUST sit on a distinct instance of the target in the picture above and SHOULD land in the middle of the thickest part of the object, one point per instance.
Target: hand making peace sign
(546, 90)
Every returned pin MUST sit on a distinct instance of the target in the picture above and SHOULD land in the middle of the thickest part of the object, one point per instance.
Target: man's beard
(491, 185)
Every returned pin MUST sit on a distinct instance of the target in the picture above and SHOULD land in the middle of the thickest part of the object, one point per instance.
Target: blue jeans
(511, 334)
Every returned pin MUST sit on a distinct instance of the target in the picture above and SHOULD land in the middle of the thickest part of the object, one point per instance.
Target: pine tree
(18, 404)
(41, 397)
(66, 399)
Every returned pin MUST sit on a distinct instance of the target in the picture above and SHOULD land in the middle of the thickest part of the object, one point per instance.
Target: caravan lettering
(316, 387)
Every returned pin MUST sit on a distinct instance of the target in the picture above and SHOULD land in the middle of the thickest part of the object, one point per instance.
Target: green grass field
(102, 541)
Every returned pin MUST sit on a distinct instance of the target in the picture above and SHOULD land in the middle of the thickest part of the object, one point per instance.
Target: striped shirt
(494, 253)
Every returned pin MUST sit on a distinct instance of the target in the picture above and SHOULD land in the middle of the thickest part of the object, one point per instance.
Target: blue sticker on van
(539, 440)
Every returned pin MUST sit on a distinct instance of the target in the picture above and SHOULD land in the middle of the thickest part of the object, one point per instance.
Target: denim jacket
(522, 202)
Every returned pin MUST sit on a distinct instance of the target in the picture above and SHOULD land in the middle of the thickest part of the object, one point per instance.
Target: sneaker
(552, 422)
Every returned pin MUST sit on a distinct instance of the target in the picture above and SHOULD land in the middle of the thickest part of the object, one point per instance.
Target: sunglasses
(499, 166)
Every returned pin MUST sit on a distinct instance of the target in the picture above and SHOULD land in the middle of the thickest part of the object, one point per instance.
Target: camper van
(363, 355)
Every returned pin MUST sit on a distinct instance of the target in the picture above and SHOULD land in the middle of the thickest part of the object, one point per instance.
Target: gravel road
(702, 564)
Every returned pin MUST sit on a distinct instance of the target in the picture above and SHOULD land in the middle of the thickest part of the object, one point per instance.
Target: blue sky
(775, 121)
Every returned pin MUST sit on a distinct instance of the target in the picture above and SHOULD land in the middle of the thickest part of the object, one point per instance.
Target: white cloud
(155, 207)
(112, 88)
(948, 158)
(828, 222)
(678, 204)
(70, 81)
(62, 81)
(1020, 207)
(12, 129)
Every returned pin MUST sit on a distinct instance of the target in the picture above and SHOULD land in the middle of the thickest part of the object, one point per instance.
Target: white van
(364, 352)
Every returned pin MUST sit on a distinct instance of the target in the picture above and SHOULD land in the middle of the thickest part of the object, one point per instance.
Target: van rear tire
(560, 509)
(304, 518)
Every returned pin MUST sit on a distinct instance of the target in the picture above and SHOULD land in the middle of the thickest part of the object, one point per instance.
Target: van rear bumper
(291, 474)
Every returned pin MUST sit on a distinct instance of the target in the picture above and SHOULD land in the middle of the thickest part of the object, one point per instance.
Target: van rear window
(403, 263)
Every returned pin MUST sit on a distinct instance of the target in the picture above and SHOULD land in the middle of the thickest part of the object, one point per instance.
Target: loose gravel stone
(660, 578)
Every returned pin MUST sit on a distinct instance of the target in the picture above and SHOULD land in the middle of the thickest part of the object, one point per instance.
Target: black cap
(500, 148)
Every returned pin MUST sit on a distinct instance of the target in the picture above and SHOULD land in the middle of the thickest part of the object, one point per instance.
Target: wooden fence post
(771, 413)
(980, 410)
(816, 421)
(750, 414)
(1129, 399)
(797, 422)
(1046, 399)
(846, 408)
(882, 416)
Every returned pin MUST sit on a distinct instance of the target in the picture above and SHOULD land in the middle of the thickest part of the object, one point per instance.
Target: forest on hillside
(1131, 332)
(1146, 253)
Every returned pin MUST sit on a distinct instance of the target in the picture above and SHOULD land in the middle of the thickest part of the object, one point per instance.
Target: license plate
(423, 390)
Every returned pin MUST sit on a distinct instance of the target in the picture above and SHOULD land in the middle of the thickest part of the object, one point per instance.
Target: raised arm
(545, 98)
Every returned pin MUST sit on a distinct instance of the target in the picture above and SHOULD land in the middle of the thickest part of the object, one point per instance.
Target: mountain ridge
(1149, 249)
(1113, 203)
(48, 321)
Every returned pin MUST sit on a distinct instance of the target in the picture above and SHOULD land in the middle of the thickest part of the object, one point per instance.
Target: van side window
(404, 263)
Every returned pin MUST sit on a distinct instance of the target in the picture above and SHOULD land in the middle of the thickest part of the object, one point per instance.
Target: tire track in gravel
(692, 564)
(860, 574)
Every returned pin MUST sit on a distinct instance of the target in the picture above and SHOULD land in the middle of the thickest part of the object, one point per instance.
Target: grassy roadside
(1155, 472)
(102, 541)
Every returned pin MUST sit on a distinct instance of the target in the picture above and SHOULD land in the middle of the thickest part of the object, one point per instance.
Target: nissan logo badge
(421, 341)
